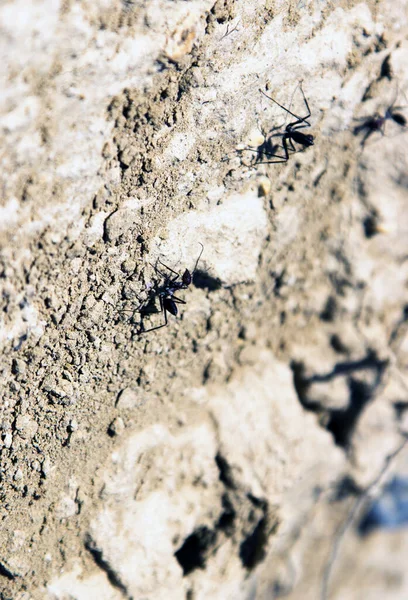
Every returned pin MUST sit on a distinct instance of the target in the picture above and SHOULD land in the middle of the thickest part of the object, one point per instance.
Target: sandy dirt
(232, 453)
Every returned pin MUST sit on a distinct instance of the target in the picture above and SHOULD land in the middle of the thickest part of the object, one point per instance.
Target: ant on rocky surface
(292, 134)
(165, 292)
(376, 122)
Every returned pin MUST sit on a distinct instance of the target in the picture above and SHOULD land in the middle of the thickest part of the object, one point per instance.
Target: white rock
(142, 516)
(232, 235)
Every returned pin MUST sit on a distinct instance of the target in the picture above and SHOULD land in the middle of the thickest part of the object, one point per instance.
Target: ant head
(309, 140)
(186, 278)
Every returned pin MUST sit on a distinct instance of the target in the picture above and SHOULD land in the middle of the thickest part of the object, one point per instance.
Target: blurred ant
(165, 292)
(377, 122)
(292, 134)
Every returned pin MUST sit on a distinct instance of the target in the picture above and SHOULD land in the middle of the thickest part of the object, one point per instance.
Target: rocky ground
(233, 454)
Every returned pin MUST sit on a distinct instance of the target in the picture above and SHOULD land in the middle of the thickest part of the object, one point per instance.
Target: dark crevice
(226, 521)
(401, 323)
(386, 70)
(341, 422)
(346, 488)
(370, 362)
(193, 553)
(206, 373)
(400, 407)
(225, 471)
(258, 502)
(123, 166)
(367, 93)
(337, 344)
(105, 566)
(302, 384)
(279, 282)
(4, 572)
(252, 549)
(370, 226)
(329, 312)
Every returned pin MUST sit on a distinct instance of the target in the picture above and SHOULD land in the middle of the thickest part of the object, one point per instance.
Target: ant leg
(178, 300)
(171, 280)
(299, 119)
(153, 328)
(266, 153)
(280, 105)
(285, 147)
(158, 326)
(158, 271)
(133, 311)
(199, 256)
(306, 102)
(366, 136)
(291, 144)
(162, 263)
(261, 152)
(300, 126)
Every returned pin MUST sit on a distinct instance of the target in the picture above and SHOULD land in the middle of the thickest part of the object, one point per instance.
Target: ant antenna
(299, 85)
(269, 98)
(198, 259)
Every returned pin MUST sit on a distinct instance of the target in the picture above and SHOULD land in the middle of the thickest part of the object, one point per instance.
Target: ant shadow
(266, 149)
(204, 281)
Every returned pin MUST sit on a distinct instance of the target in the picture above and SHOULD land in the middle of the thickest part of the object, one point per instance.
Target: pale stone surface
(252, 423)
(160, 489)
(143, 521)
(231, 234)
(75, 585)
(279, 444)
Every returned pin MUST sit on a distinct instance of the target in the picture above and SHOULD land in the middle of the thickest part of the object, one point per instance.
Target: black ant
(292, 133)
(165, 292)
(377, 122)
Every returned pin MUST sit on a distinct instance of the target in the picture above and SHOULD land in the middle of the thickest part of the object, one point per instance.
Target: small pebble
(46, 466)
(18, 475)
(8, 439)
(117, 427)
(264, 186)
(128, 398)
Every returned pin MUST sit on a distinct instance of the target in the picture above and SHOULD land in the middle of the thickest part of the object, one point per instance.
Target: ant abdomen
(170, 306)
(186, 277)
(302, 138)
